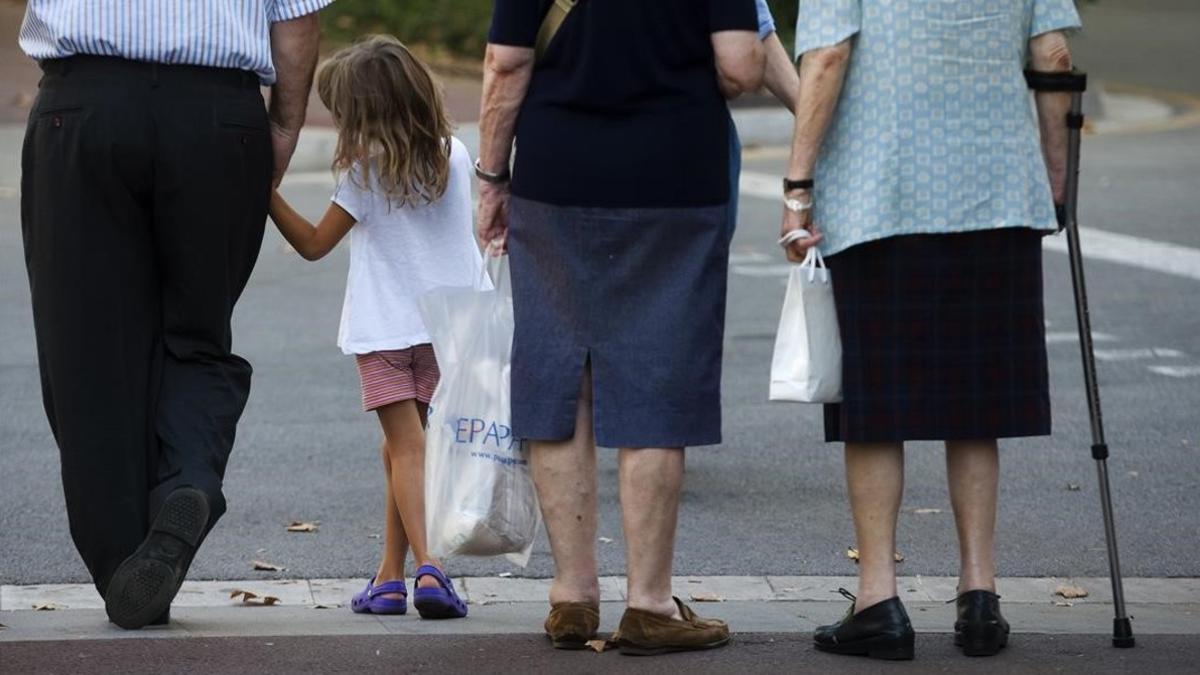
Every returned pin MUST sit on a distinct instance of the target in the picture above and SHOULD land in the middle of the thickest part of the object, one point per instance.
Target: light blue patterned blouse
(934, 131)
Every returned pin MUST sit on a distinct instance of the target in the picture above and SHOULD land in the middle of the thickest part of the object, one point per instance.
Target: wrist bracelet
(489, 177)
(797, 206)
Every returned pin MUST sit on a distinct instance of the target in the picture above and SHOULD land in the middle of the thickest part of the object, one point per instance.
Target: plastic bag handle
(493, 266)
(813, 260)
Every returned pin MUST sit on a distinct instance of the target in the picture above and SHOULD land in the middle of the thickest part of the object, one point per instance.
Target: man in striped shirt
(148, 161)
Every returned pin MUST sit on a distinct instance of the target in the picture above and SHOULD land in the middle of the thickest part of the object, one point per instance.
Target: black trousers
(144, 197)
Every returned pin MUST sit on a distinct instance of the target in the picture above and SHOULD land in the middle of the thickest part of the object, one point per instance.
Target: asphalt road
(762, 653)
(769, 501)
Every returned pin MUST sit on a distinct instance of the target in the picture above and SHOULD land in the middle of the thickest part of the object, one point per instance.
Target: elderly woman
(616, 221)
(916, 155)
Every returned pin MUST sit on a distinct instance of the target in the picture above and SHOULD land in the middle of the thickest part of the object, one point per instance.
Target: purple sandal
(437, 603)
(371, 601)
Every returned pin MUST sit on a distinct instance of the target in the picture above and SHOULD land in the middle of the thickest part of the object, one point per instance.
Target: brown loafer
(571, 624)
(645, 633)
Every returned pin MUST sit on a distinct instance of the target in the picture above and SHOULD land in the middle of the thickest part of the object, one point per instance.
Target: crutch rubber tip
(1122, 633)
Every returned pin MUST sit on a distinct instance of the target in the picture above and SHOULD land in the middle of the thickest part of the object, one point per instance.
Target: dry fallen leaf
(302, 526)
(605, 540)
(1060, 603)
(327, 606)
(598, 646)
(707, 597)
(1073, 487)
(249, 598)
(372, 536)
(899, 556)
(1070, 592)
(266, 566)
(45, 607)
(695, 581)
(2, 626)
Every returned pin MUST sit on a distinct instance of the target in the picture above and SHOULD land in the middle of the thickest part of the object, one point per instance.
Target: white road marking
(750, 258)
(1060, 337)
(1176, 371)
(762, 270)
(1123, 249)
(1135, 354)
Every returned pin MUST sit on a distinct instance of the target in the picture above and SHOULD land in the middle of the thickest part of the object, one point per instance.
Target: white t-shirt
(399, 253)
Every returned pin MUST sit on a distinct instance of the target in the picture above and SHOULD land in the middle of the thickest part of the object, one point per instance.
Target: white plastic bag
(807, 364)
(479, 495)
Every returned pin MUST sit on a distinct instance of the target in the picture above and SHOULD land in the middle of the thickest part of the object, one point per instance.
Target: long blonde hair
(387, 107)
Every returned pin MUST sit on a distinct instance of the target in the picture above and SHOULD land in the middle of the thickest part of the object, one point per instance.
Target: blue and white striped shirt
(217, 33)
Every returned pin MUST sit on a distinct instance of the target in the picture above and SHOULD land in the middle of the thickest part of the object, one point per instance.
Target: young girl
(405, 199)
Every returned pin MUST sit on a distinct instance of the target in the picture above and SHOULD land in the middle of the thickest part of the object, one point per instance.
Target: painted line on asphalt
(1176, 371)
(1122, 249)
(1137, 354)
(1069, 337)
(496, 590)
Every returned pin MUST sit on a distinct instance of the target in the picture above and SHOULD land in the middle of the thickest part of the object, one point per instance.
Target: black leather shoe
(980, 629)
(881, 631)
(142, 588)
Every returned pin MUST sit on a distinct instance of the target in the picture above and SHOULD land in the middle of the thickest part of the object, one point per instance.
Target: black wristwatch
(802, 184)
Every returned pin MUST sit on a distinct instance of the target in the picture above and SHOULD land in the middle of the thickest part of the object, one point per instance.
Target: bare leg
(565, 475)
(875, 483)
(973, 472)
(403, 425)
(651, 479)
(395, 541)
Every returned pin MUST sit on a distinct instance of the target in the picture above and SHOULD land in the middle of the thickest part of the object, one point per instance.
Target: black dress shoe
(881, 631)
(142, 588)
(980, 629)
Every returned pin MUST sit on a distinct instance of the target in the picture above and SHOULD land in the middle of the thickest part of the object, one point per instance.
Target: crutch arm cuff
(1049, 81)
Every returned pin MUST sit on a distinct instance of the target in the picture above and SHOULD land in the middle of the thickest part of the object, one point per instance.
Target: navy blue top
(624, 109)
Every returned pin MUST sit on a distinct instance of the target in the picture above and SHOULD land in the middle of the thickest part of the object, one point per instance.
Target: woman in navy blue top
(616, 221)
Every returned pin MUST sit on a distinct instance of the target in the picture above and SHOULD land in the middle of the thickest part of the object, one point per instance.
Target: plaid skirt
(943, 338)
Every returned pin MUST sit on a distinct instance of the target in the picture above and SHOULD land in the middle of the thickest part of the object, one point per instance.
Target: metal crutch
(1075, 83)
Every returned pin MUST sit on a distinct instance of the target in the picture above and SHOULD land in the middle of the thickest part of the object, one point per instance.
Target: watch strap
(801, 184)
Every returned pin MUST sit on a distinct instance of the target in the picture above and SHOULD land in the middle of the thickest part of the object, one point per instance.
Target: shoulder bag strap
(559, 9)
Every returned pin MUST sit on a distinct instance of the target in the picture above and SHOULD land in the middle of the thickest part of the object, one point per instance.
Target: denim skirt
(943, 338)
(638, 295)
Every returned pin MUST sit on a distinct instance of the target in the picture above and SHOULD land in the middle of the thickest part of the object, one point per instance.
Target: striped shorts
(397, 375)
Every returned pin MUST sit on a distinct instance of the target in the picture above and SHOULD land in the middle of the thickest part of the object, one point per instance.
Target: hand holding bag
(807, 364)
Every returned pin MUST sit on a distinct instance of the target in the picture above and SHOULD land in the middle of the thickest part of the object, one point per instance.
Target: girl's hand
(492, 217)
(792, 220)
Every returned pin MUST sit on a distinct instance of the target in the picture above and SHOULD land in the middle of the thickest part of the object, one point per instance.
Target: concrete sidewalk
(518, 605)
(772, 617)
